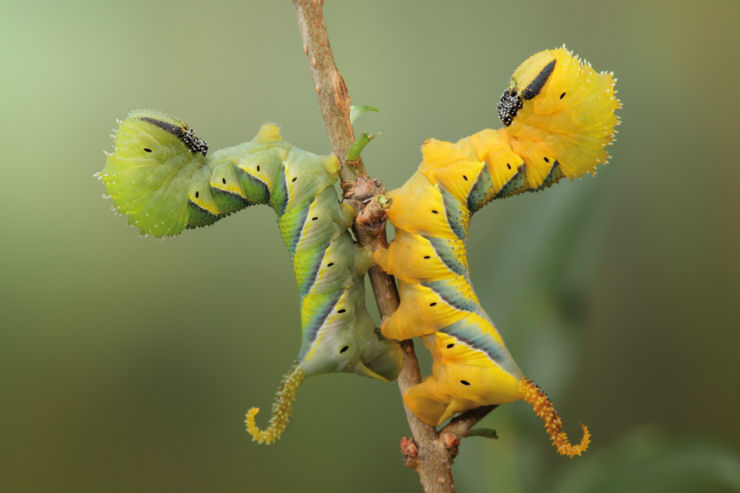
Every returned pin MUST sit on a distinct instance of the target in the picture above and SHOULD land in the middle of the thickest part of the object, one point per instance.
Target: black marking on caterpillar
(536, 85)
(508, 106)
(186, 135)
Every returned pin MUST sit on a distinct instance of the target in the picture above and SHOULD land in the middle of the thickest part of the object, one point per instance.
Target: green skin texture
(165, 187)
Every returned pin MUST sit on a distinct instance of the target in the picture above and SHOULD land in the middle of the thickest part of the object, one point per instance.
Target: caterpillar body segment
(559, 117)
(460, 372)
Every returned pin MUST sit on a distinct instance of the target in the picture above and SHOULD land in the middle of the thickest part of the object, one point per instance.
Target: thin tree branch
(430, 453)
(461, 425)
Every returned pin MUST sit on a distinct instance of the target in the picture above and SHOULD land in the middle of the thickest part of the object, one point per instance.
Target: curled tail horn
(281, 408)
(543, 408)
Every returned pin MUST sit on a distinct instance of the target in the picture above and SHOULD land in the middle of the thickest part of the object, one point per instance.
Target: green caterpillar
(161, 176)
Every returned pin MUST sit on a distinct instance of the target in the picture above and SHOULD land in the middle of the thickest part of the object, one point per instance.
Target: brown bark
(430, 453)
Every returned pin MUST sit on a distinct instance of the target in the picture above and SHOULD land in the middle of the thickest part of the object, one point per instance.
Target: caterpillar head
(558, 109)
(150, 170)
(526, 83)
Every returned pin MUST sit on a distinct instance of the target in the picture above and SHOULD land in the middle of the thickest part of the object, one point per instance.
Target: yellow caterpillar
(559, 117)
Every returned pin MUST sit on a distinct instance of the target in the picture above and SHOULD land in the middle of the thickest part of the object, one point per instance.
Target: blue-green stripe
(455, 212)
(445, 251)
(474, 337)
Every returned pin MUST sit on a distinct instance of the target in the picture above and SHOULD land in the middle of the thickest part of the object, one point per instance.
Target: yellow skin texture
(442, 395)
(562, 130)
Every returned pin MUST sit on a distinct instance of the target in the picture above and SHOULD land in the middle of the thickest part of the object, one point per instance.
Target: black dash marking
(330, 264)
(197, 194)
(451, 345)
(435, 211)
(562, 96)
(341, 310)
(433, 303)
(536, 85)
(465, 178)
(314, 218)
(146, 149)
(175, 130)
(258, 167)
(427, 257)
(223, 180)
(546, 160)
(186, 135)
(294, 179)
(464, 382)
(344, 349)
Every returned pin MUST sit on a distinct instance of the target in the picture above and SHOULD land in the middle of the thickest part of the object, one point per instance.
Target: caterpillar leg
(542, 406)
(281, 408)
(425, 401)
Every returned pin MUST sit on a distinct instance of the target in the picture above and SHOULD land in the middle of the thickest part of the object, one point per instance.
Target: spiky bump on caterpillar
(559, 117)
(162, 177)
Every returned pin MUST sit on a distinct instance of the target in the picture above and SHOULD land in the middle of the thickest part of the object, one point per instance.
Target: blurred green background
(126, 363)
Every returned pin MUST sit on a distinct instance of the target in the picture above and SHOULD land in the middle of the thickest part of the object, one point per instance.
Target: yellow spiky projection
(281, 408)
(542, 406)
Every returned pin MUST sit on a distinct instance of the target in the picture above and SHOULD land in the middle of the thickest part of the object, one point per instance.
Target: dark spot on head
(464, 382)
(197, 194)
(465, 178)
(294, 178)
(546, 160)
(341, 310)
(435, 211)
(344, 349)
(508, 165)
(182, 132)
(427, 257)
(258, 167)
(330, 264)
(146, 149)
(223, 180)
(314, 218)
(508, 106)
(562, 96)
(195, 144)
(451, 345)
(433, 303)
(536, 85)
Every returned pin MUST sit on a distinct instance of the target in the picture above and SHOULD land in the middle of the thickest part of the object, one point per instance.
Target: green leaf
(355, 111)
(358, 145)
(483, 432)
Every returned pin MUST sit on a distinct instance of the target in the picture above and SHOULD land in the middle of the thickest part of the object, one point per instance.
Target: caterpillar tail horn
(542, 406)
(281, 408)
